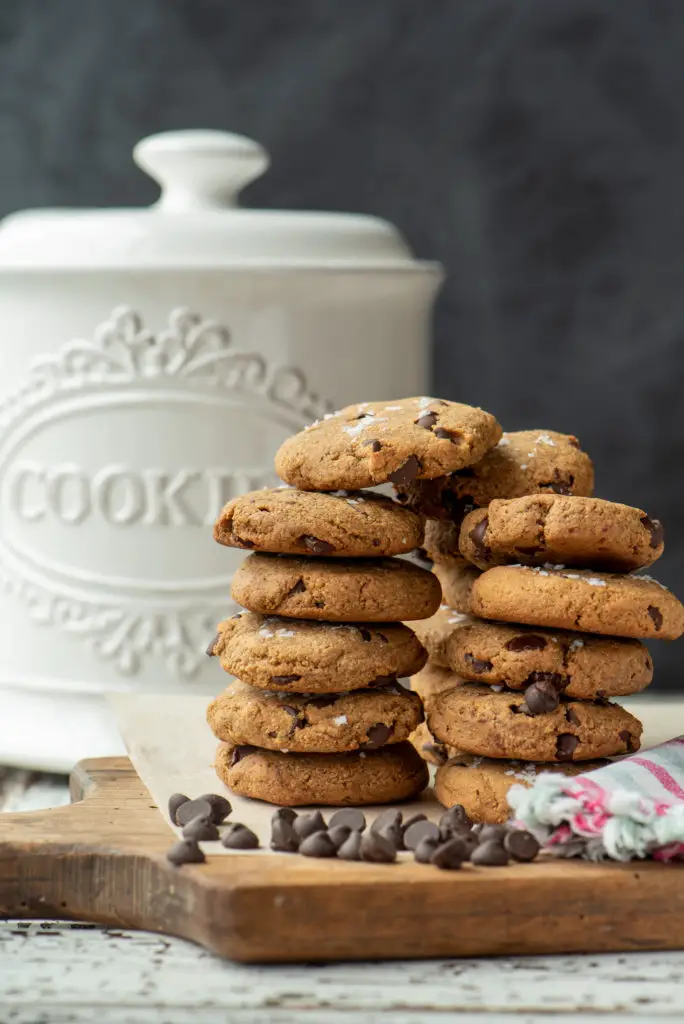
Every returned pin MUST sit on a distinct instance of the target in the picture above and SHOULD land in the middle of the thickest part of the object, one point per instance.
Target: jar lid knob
(200, 170)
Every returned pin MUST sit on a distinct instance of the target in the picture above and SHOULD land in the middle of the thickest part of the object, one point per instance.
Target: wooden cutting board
(102, 860)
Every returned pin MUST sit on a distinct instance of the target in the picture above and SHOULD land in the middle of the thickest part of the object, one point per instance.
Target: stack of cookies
(553, 623)
(317, 715)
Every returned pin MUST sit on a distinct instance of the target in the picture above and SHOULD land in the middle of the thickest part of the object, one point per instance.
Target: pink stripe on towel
(663, 776)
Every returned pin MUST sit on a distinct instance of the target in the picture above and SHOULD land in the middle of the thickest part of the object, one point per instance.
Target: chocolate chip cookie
(456, 581)
(315, 657)
(591, 602)
(380, 442)
(477, 720)
(356, 524)
(336, 589)
(588, 532)
(315, 723)
(481, 784)
(523, 462)
(379, 776)
(579, 665)
(430, 749)
(434, 633)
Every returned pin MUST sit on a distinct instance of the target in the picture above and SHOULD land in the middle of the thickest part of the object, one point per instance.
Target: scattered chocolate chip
(306, 824)
(406, 473)
(477, 536)
(497, 833)
(411, 820)
(376, 849)
(201, 830)
(394, 835)
(352, 817)
(457, 816)
(286, 813)
(374, 445)
(239, 837)
(655, 528)
(376, 736)
(490, 854)
(284, 839)
(212, 644)
(193, 809)
(298, 588)
(316, 546)
(185, 852)
(566, 745)
(427, 420)
(351, 847)
(425, 849)
(477, 664)
(176, 800)
(220, 807)
(240, 753)
(450, 855)
(418, 831)
(541, 698)
(448, 435)
(366, 634)
(628, 740)
(388, 817)
(318, 844)
(570, 716)
(656, 615)
(285, 680)
(521, 844)
(526, 642)
(339, 835)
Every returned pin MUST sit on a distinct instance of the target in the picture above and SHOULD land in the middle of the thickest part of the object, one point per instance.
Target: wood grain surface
(102, 859)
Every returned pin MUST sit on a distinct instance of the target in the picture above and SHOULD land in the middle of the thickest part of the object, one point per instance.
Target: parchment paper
(172, 750)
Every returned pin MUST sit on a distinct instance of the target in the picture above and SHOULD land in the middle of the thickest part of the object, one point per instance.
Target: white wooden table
(62, 973)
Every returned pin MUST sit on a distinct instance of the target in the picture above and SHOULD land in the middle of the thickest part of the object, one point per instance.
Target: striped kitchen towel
(633, 808)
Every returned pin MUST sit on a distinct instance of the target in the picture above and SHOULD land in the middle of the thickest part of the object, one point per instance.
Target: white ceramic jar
(152, 362)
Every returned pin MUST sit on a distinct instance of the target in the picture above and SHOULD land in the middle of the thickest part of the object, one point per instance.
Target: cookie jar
(153, 360)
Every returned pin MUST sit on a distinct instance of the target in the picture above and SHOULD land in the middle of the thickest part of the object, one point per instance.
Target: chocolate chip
(240, 543)
(427, 420)
(349, 816)
(286, 813)
(176, 800)
(571, 717)
(316, 546)
(418, 831)
(376, 849)
(655, 528)
(351, 847)
(298, 588)
(521, 844)
(456, 816)
(555, 678)
(297, 722)
(541, 698)
(495, 832)
(212, 644)
(477, 536)
(628, 740)
(185, 852)
(478, 666)
(339, 835)
(394, 835)
(425, 849)
(566, 745)
(450, 855)
(239, 837)
(285, 680)
(193, 809)
(656, 615)
(240, 752)
(374, 445)
(319, 844)
(201, 829)
(377, 735)
(448, 435)
(526, 642)
(490, 854)
(366, 634)
(307, 824)
(220, 807)
(411, 820)
(284, 839)
(406, 473)
(388, 817)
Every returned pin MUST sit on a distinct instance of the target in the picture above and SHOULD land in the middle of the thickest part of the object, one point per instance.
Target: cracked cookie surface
(589, 602)
(315, 723)
(355, 779)
(579, 665)
(386, 442)
(477, 720)
(348, 523)
(315, 657)
(336, 589)
(587, 532)
(523, 462)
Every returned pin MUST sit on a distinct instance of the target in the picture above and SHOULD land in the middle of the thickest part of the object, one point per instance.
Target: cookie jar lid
(196, 223)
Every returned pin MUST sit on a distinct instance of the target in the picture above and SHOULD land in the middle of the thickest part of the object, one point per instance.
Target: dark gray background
(536, 147)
